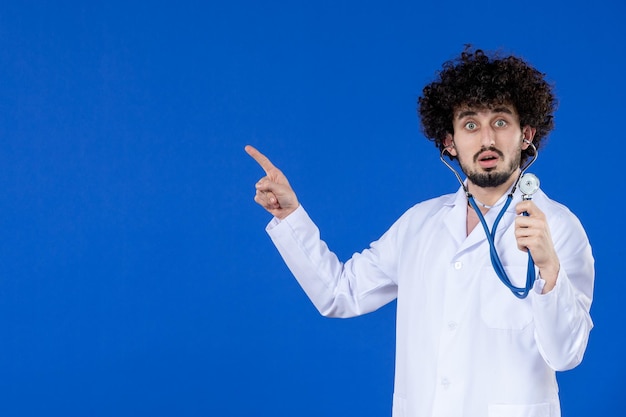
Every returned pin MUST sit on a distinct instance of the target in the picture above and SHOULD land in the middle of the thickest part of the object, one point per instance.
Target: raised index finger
(261, 159)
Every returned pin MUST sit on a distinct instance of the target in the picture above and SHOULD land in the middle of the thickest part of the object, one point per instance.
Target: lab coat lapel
(456, 219)
(478, 235)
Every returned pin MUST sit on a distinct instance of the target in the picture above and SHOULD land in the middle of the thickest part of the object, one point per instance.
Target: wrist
(285, 212)
(549, 274)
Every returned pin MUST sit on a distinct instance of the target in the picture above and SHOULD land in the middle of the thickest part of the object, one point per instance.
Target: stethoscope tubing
(495, 259)
(519, 292)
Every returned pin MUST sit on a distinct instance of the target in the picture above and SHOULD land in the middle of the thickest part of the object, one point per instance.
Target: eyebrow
(465, 113)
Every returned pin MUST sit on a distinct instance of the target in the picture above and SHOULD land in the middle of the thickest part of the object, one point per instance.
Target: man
(466, 345)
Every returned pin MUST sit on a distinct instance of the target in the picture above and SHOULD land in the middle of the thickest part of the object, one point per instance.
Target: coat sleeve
(562, 319)
(362, 284)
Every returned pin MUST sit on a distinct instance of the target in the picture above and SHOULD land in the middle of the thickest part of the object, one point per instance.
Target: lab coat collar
(456, 220)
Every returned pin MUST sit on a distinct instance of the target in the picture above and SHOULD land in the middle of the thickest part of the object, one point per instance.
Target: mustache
(490, 149)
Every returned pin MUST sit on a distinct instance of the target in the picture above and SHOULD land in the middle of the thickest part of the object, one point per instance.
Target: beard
(491, 178)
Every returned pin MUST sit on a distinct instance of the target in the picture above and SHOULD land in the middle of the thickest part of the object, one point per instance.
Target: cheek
(465, 152)
(464, 160)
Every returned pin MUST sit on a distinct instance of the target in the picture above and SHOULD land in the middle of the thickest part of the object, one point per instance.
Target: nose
(488, 137)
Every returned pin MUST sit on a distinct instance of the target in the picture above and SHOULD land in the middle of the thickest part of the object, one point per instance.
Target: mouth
(488, 159)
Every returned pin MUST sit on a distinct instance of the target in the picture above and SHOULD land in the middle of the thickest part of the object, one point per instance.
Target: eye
(470, 125)
(500, 123)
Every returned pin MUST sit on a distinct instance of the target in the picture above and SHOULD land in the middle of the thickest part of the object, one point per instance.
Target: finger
(271, 198)
(265, 186)
(268, 186)
(521, 234)
(266, 199)
(523, 222)
(528, 207)
(261, 159)
(523, 206)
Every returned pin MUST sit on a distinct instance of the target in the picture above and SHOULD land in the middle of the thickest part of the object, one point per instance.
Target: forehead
(468, 111)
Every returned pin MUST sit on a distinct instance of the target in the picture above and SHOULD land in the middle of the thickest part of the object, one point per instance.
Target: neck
(489, 196)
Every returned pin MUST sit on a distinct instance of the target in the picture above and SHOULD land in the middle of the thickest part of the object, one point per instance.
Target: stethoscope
(528, 185)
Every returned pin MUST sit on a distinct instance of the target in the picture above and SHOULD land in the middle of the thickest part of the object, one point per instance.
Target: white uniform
(466, 346)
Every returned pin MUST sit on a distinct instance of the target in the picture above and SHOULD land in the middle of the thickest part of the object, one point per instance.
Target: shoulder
(426, 209)
(432, 205)
(413, 220)
(552, 208)
(563, 223)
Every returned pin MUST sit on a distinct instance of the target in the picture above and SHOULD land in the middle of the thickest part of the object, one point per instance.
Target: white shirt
(466, 346)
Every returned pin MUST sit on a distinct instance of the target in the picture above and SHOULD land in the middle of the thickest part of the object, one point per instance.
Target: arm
(359, 286)
(562, 320)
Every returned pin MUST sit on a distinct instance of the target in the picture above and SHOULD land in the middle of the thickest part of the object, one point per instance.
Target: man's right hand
(273, 191)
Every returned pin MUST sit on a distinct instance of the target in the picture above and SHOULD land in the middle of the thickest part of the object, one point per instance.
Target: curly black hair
(477, 80)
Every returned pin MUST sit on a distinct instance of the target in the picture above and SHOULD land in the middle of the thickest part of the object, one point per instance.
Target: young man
(466, 345)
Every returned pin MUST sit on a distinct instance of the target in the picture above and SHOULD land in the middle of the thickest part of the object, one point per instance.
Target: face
(488, 143)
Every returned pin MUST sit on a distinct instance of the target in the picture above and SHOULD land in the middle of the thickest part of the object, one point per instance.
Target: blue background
(135, 274)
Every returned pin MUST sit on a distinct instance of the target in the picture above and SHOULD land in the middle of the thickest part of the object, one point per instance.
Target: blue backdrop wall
(135, 274)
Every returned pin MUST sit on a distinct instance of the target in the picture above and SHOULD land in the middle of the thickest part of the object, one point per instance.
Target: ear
(448, 144)
(528, 134)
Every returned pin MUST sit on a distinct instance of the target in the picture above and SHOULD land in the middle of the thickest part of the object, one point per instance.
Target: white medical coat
(466, 346)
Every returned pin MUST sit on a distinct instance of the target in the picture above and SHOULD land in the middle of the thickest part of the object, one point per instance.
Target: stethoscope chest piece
(528, 185)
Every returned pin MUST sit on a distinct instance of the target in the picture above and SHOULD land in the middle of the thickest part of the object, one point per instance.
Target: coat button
(458, 265)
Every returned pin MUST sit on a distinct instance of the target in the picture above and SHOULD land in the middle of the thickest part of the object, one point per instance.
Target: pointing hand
(273, 191)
